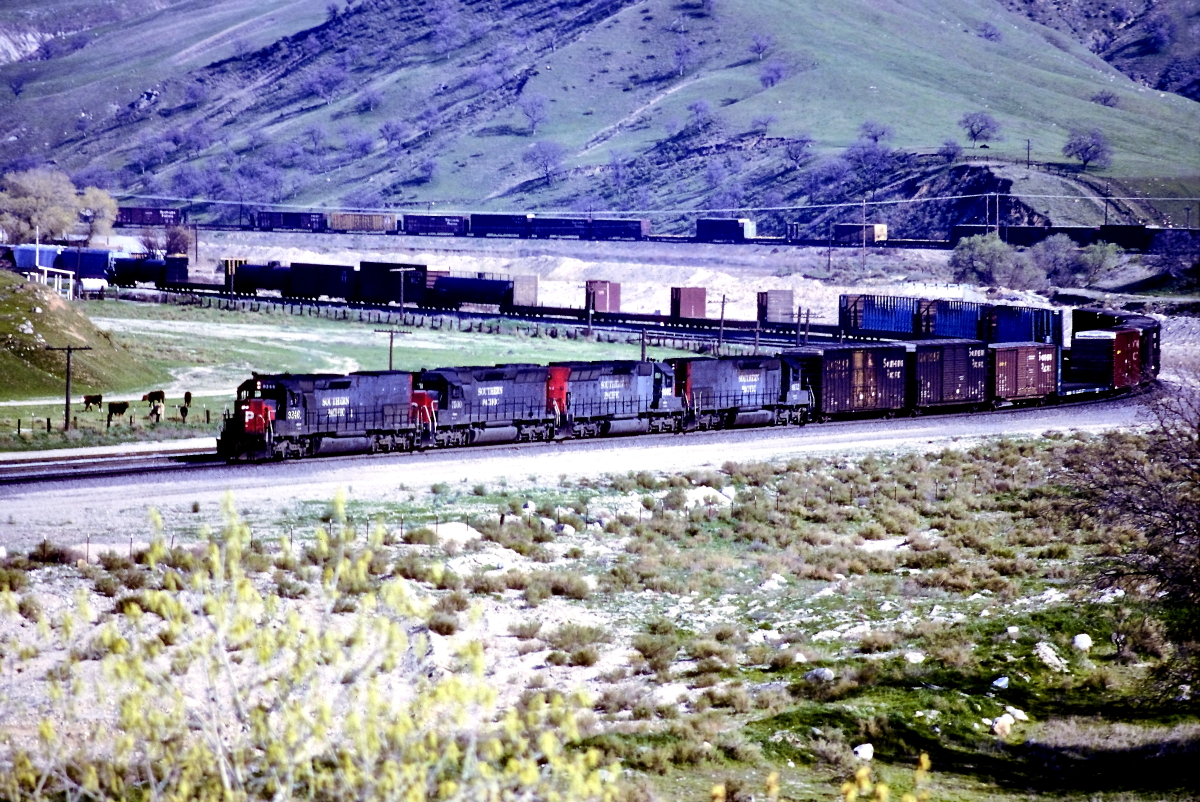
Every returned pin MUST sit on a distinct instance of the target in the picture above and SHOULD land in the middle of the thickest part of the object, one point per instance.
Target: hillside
(638, 106)
(33, 317)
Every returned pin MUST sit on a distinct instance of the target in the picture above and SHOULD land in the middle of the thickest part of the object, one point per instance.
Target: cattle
(92, 400)
(155, 397)
(187, 398)
(116, 409)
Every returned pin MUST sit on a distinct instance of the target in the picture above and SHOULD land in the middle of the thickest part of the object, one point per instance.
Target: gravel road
(114, 509)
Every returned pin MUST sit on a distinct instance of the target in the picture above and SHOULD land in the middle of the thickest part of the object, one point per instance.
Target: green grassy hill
(33, 317)
(656, 104)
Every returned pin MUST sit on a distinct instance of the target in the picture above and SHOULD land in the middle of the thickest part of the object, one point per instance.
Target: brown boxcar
(454, 225)
(1022, 371)
(361, 221)
(1110, 357)
(847, 379)
(948, 372)
(603, 296)
(777, 306)
(689, 302)
(853, 232)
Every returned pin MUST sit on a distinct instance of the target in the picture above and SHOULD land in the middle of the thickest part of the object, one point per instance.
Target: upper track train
(284, 415)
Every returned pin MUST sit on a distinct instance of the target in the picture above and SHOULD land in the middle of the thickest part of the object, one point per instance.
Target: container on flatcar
(1018, 324)
(1149, 332)
(175, 270)
(292, 221)
(602, 296)
(85, 262)
(688, 303)
(945, 318)
(619, 229)
(453, 225)
(362, 222)
(854, 233)
(877, 314)
(1109, 357)
(524, 291)
(135, 216)
(777, 306)
(1022, 371)
(719, 229)
(309, 280)
(547, 227)
(852, 378)
(500, 225)
(947, 372)
(388, 282)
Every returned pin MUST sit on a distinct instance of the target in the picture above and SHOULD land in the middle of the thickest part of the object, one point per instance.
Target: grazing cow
(92, 400)
(155, 397)
(156, 411)
(187, 398)
(116, 409)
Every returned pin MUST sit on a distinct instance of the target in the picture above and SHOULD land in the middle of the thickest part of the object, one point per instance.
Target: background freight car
(847, 379)
(524, 290)
(387, 282)
(546, 227)
(1108, 357)
(1015, 324)
(725, 230)
(1022, 371)
(620, 229)
(85, 262)
(500, 225)
(777, 306)
(602, 296)
(451, 291)
(877, 314)
(945, 372)
(853, 233)
(688, 302)
(363, 222)
(955, 319)
(309, 280)
(292, 221)
(431, 224)
(135, 216)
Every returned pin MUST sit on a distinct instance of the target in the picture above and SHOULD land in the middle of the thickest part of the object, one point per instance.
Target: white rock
(707, 497)
(456, 532)
(3, 553)
(1082, 642)
(1046, 653)
(864, 751)
(887, 607)
(1013, 632)
(566, 529)
(1000, 682)
(1003, 726)
(37, 310)
(914, 657)
(1019, 715)
(820, 675)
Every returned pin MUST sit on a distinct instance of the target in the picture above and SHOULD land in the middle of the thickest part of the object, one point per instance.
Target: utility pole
(864, 233)
(1106, 193)
(1188, 211)
(402, 271)
(1028, 148)
(391, 333)
(70, 349)
(721, 328)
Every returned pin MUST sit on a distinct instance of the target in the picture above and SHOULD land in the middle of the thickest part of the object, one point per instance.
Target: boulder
(914, 657)
(1082, 642)
(820, 675)
(864, 751)
(1003, 725)
(1000, 682)
(1049, 657)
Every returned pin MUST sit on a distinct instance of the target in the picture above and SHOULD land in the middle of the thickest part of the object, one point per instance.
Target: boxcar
(309, 280)
(362, 222)
(444, 291)
(452, 225)
(500, 225)
(777, 306)
(291, 221)
(602, 296)
(1025, 371)
(716, 229)
(947, 372)
(136, 216)
(847, 379)
(387, 282)
(854, 233)
(546, 227)
(1106, 357)
(619, 229)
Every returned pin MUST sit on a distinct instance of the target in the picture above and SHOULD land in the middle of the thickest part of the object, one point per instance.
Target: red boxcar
(1023, 371)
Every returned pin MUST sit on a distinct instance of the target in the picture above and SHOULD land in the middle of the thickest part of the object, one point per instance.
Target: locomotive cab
(250, 429)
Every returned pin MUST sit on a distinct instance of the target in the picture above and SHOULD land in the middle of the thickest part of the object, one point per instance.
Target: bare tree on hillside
(393, 132)
(1089, 147)
(798, 149)
(684, 54)
(535, 107)
(545, 157)
(875, 132)
(761, 44)
(771, 74)
(979, 126)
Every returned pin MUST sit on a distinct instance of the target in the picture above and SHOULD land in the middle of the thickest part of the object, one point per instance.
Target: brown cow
(155, 397)
(92, 400)
(116, 409)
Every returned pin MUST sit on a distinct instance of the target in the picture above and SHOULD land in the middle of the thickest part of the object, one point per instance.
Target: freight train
(716, 230)
(287, 416)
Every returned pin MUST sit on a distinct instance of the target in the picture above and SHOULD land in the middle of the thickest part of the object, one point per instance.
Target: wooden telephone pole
(70, 349)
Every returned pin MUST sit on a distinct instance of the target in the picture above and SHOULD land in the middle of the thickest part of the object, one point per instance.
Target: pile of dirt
(34, 317)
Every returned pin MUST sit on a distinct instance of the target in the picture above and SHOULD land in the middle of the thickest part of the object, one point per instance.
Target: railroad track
(65, 465)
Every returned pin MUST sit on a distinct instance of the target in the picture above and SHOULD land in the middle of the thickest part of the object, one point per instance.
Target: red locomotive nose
(257, 414)
(424, 407)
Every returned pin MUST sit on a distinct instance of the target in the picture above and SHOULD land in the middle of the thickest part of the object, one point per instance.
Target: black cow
(187, 398)
(116, 409)
(155, 397)
(92, 400)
